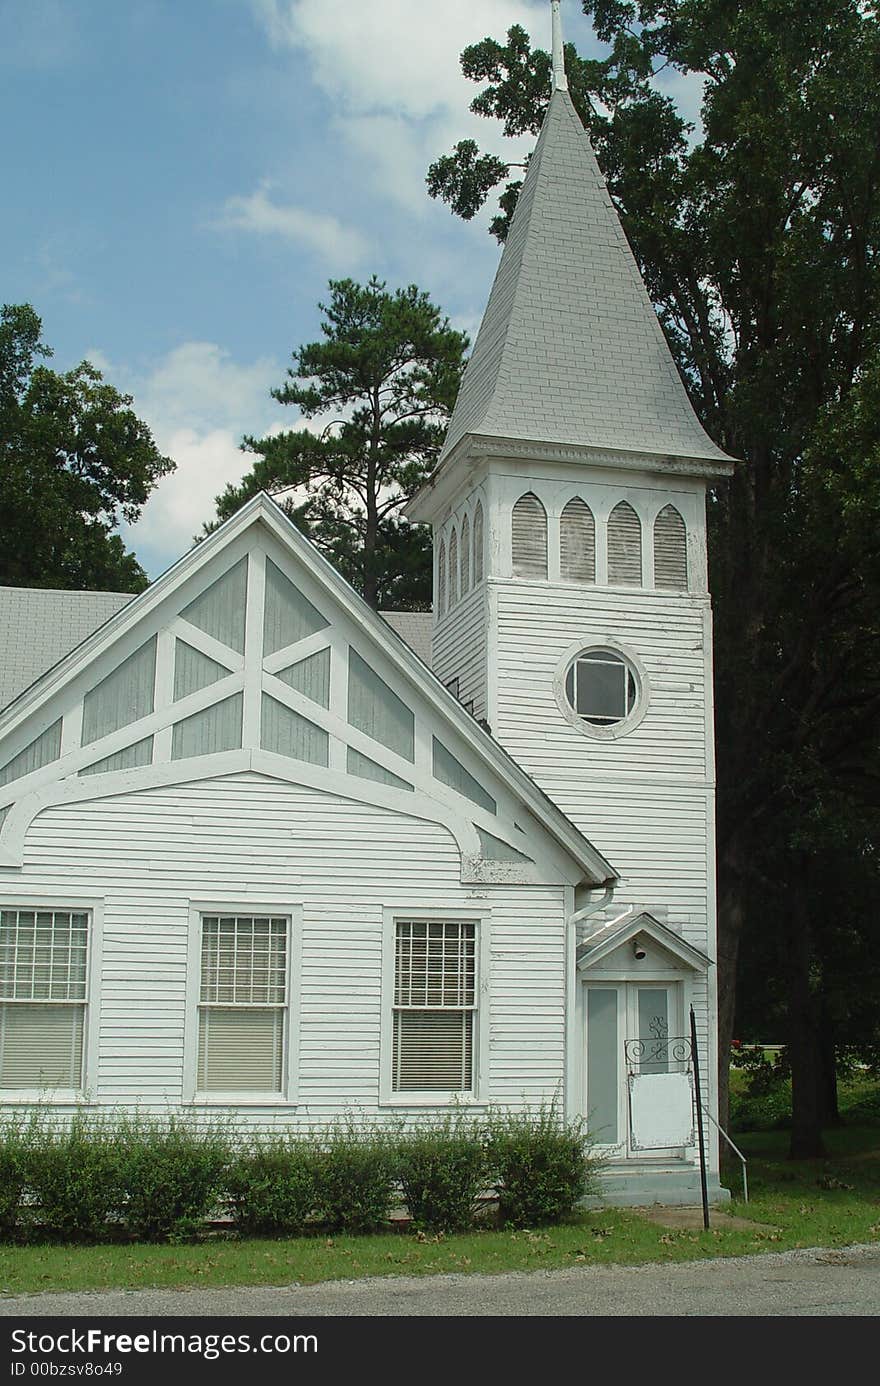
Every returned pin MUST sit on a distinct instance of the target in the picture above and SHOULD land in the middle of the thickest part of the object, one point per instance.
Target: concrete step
(644, 1183)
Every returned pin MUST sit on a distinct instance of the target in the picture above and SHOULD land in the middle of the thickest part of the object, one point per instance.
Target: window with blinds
(43, 966)
(435, 989)
(478, 544)
(624, 546)
(670, 550)
(577, 542)
(453, 569)
(529, 537)
(465, 556)
(242, 1003)
(441, 580)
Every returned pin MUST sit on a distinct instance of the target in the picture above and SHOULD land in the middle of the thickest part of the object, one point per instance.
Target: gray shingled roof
(39, 626)
(416, 628)
(570, 349)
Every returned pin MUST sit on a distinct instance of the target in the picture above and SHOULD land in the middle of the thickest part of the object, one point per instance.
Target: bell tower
(572, 615)
(568, 508)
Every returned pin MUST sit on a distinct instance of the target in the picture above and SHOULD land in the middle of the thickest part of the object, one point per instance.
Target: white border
(288, 1096)
(643, 688)
(479, 1095)
(17, 896)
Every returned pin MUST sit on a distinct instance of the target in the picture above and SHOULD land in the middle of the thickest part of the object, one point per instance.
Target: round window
(601, 687)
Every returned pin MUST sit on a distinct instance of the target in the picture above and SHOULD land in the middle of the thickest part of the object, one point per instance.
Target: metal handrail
(736, 1150)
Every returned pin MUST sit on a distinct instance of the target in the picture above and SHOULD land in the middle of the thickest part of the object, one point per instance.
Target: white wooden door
(629, 1026)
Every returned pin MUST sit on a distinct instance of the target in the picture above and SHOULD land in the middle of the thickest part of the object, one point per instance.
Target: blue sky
(182, 178)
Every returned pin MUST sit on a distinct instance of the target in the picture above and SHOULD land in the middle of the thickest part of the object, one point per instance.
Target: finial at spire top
(560, 81)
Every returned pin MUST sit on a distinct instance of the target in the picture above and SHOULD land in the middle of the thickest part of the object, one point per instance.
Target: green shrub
(541, 1167)
(172, 1175)
(14, 1146)
(272, 1187)
(74, 1178)
(354, 1180)
(442, 1172)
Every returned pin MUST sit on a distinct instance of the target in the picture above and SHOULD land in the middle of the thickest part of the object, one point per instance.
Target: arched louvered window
(453, 569)
(441, 580)
(478, 544)
(670, 550)
(577, 542)
(529, 537)
(465, 556)
(624, 546)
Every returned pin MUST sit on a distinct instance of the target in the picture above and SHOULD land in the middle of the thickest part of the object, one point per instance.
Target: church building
(267, 854)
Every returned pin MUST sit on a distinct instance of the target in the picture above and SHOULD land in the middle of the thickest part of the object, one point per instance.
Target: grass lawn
(829, 1203)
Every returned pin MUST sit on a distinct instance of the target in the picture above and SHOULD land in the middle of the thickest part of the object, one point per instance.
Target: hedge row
(99, 1180)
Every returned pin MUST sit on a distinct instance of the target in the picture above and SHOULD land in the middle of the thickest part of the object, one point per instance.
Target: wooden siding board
(459, 649)
(154, 850)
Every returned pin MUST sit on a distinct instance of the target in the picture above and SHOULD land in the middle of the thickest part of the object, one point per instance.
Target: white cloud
(184, 501)
(394, 73)
(394, 54)
(199, 385)
(199, 403)
(319, 232)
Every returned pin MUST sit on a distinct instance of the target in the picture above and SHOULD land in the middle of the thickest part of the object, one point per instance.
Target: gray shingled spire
(570, 350)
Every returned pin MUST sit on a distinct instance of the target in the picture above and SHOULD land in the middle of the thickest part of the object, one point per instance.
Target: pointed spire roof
(570, 351)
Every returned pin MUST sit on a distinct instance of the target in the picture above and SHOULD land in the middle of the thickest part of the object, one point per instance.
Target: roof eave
(263, 509)
(436, 491)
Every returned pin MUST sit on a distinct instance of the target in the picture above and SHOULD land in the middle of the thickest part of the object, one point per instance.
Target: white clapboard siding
(245, 837)
(670, 550)
(529, 537)
(538, 626)
(459, 649)
(577, 542)
(624, 546)
(642, 798)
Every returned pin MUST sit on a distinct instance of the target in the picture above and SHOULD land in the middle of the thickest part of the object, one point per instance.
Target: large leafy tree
(380, 385)
(74, 460)
(758, 241)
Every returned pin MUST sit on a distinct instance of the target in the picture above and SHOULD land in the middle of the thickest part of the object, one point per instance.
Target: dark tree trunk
(828, 1075)
(804, 1023)
(731, 916)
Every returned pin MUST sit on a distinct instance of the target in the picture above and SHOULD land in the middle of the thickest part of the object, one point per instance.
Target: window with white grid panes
(435, 990)
(43, 973)
(242, 1002)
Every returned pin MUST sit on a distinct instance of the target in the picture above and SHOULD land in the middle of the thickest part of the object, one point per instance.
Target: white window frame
(479, 1093)
(287, 1095)
(614, 730)
(17, 900)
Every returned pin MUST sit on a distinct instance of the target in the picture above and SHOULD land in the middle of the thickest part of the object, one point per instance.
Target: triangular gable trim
(440, 702)
(620, 931)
